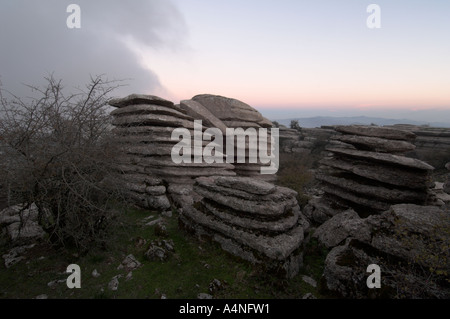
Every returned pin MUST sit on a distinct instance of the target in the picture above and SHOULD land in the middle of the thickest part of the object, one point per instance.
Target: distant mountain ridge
(318, 121)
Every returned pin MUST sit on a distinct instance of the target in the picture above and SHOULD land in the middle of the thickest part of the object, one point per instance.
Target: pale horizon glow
(311, 54)
(297, 56)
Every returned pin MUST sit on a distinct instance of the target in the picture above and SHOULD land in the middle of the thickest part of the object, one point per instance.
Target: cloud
(36, 42)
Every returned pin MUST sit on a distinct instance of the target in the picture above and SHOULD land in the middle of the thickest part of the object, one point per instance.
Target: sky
(286, 58)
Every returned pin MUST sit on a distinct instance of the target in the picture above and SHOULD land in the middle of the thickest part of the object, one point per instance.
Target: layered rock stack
(432, 143)
(252, 219)
(144, 126)
(368, 172)
(236, 114)
(232, 112)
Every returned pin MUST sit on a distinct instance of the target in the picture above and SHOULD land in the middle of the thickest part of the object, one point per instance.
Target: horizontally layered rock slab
(432, 143)
(376, 144)
(144, 125)
(367, 170)
(198, 111)
(376, 131)
(143, 128)
(236, 114)
(232, 112)
(252, 219)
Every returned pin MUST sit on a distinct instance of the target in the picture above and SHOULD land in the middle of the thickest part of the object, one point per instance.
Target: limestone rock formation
(432, 143)
(376, 131)
(144, 126)
(159, 250)
(336, 230)
(232, 112)
(376, 144)
(21, 223)
(368, 171)
(252, 219)
(405, 241)
(198, 111)
(235, 114)
(304, 141)
(16, 254)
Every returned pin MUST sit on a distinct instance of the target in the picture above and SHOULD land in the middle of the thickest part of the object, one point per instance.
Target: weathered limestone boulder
(382, 173)
(367, 171)
(198, 111)
(345, 272)
(232, 112)
(140, 99)
(20, 223)
(159, 250)
(320, 209)
(395, 160)
(336, 230)
(144, 125)
(379, 195)
(406, 241)
(376, 144)
(143, 128)
(432, 143)
(235, 114)
(376, 131)
(252, 219)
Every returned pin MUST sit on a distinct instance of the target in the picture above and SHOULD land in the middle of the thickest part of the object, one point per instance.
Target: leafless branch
(59, 155)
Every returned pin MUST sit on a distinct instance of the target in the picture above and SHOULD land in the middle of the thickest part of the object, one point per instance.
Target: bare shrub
(295, 125)
(57, 152)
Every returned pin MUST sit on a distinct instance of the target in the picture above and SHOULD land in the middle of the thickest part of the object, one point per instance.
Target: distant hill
(319, 121)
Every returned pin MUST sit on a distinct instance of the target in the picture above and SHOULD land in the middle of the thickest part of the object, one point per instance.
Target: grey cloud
(35, 41)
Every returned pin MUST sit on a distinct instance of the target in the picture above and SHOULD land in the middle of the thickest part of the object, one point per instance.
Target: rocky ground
(375, 200)
(408, 242)
(381, 207)
(144, 260)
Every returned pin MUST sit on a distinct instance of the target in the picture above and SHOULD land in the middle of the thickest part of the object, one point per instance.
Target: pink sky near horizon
(308, 56)
(300, 54)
